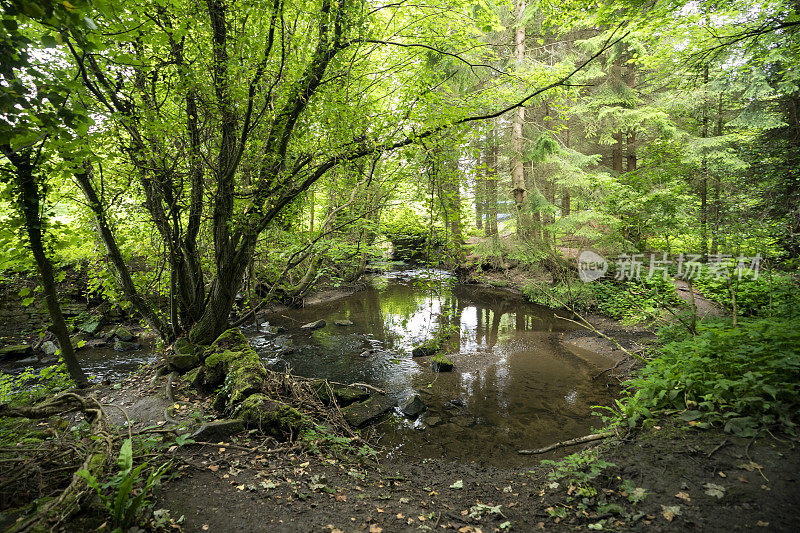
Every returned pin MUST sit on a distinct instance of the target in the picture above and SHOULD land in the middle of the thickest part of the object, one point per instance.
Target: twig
(717, 448)
(570, 442)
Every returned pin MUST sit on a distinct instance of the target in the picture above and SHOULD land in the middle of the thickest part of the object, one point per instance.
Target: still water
(514, 386)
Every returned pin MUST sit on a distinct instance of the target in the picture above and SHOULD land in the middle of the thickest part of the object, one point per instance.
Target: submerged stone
(433, 421)
(413, 407)
(362, 413)
(317, 324)
(343, 322)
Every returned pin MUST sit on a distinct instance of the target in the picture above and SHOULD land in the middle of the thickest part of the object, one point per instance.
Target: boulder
(429, 347)
(433, 421)
(269, 416)
(49, 347)
(441, 363)
(16, 351)
(343, 322)
(360, 414)
(183, 356)
(91, 325)
(122, 346)
(123, 334)
(317, 324)
(218, 430)
(413, 407)
(344, 395)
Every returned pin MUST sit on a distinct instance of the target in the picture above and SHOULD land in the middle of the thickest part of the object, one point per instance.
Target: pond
(514, 385)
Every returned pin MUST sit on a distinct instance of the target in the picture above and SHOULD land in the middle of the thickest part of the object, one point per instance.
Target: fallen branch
(570, 442)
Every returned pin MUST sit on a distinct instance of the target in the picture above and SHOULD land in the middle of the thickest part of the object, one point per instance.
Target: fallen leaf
(722, 474)
(742, 479)
(683, 496)
(712, 489)
(341, 498)
(761, 523)
(375, 528)
(458, 484)
(751, 466)
(670, 511)
(213, 468)
(204, 527)
(400, 516)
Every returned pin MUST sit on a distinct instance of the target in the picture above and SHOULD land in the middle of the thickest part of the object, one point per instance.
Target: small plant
(124, 495)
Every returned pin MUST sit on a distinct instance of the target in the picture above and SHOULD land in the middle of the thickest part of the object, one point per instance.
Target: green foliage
(631, 301)
(32, 386)
(124, 495)
(774, 294)
(737, 378)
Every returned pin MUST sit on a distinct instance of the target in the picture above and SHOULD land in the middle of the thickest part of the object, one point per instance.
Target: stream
(514, 386)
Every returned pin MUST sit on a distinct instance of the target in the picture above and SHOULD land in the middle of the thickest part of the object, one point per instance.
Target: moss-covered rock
(344, 395)
(272, 417)
(232, 362)
(360, 414)
(441, 363)
(429, 347)
(184, 355)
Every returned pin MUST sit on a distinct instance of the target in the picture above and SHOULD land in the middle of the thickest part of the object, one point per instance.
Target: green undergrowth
(741, 378)
(628, 301)
(766, 294)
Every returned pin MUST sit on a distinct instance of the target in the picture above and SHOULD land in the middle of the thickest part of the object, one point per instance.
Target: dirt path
(705, 307)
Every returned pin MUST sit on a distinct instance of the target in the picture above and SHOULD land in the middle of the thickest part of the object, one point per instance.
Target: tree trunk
(704, 174)
(29, 205)
(517, 175)
(480, 189)
(491, 183)
(115, 255)
(530, 180)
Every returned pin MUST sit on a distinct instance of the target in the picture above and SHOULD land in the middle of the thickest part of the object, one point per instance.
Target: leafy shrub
(739, 378)
(776, 294)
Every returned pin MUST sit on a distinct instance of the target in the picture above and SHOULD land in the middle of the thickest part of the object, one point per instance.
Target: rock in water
(313, 325)
(122, 346)
(367, 353)
(442, 363)
(429, 347)
(362, 413)
(344, 395)
(433, 421)
(124, 334)
(413, 407)
(343, 322)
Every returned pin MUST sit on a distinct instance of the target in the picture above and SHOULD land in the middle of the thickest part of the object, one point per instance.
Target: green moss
(442, 363)
(429, 347)
(272, 417)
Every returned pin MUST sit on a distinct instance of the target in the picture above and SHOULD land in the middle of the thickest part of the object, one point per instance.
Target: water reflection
(514, 385)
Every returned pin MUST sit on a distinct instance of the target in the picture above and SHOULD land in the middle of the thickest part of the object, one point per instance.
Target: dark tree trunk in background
(29, 205)
(480, 190)
(704, 174)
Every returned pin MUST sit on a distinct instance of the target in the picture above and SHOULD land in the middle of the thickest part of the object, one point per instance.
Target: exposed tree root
(55, 512)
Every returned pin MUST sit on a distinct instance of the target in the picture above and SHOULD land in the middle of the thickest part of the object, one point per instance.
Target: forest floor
(667, 477)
